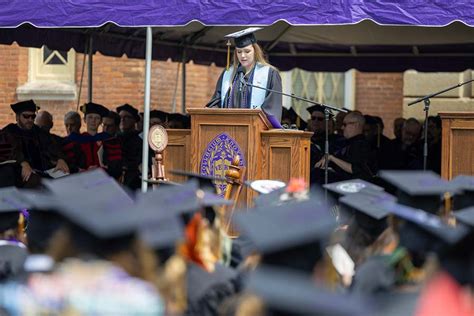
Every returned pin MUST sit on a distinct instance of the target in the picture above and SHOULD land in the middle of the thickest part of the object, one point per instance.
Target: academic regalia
(239, 96)
(89, 146)
(132, 158)
(38, 147)
(11, 156)
(273, 101)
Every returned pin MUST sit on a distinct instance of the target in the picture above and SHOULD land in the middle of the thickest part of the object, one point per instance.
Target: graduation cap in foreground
(350, 187)
(368, 210)
(291, 236)
(418, 189)
(169, 201)
(424, 233)
(206, 182)
(286, 292)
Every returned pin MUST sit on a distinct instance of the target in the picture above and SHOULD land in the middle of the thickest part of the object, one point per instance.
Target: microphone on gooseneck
(240, 73)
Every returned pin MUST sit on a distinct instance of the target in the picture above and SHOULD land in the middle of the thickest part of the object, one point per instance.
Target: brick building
(32, 74)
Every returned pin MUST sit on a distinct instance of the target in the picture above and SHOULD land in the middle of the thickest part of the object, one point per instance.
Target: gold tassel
(228, 54)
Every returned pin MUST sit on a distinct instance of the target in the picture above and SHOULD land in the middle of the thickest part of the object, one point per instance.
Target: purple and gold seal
(217, 158)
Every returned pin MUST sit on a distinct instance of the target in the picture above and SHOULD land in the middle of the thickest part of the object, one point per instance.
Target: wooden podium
(457, 153)
(266, 153)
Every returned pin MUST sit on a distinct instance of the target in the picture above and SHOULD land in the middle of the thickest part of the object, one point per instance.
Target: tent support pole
(89, 70)
(146, 109)
(183, 92)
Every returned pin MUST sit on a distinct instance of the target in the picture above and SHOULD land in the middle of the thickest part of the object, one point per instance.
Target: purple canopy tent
(313, 35)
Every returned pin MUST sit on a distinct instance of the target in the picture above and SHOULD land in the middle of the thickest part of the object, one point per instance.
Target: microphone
(240, 73)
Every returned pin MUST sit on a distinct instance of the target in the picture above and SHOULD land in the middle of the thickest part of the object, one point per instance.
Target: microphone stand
(426, 101)
(327, 113)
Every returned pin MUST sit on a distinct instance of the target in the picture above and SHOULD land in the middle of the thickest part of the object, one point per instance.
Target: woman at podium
(247, 83)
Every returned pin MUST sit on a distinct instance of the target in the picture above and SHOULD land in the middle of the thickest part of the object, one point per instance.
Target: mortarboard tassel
(228, 54)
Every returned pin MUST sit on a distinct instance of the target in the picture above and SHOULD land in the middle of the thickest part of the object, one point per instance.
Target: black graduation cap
(353, 186)
(286, 292)
(11, 205)
(162, 233)
(315, 108)
(23, 106)
(130, 109)
(167, 201)
(369, 210)
(206, 182)
(95, 182)
(244, 37)
(418, 189)
(423, 232)
(466, 198)
(163, 116)
(289, 235)
(95, 108)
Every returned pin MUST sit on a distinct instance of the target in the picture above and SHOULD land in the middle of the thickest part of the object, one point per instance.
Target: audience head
(72, 122)
(25, 113)
(178, 121)
(316, 123)
(371, 128)
(353, 124)
(339, 120)
(93, 114)
(44, 120)
(411, 131)
(398, 126)
(128, 117)
(111, 123)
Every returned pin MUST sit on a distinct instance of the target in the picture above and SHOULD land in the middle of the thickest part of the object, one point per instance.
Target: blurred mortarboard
(424, 232)
(12, 258)
(11, 204)
(265, 186)
(244, 37)
(94, 108)
(130, 109)
(289, 235)
(418, 189)
(163, 233)
(206, 182)
(23, 106)
(350, 187)
(286, 292)
(369, 210)
(95, 182)
(466, 198)
(168, 201)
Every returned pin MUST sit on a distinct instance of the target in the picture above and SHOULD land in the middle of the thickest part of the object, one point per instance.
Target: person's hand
(62, 165)
(322, 163)
(26, 171)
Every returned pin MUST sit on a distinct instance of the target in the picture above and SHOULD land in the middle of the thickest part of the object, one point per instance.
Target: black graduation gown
(131, 158)
(271, 105)
(9, 151)
(38, 147)
(206, 291)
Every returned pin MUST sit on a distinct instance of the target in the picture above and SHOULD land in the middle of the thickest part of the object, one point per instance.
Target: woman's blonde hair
(259, 58)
